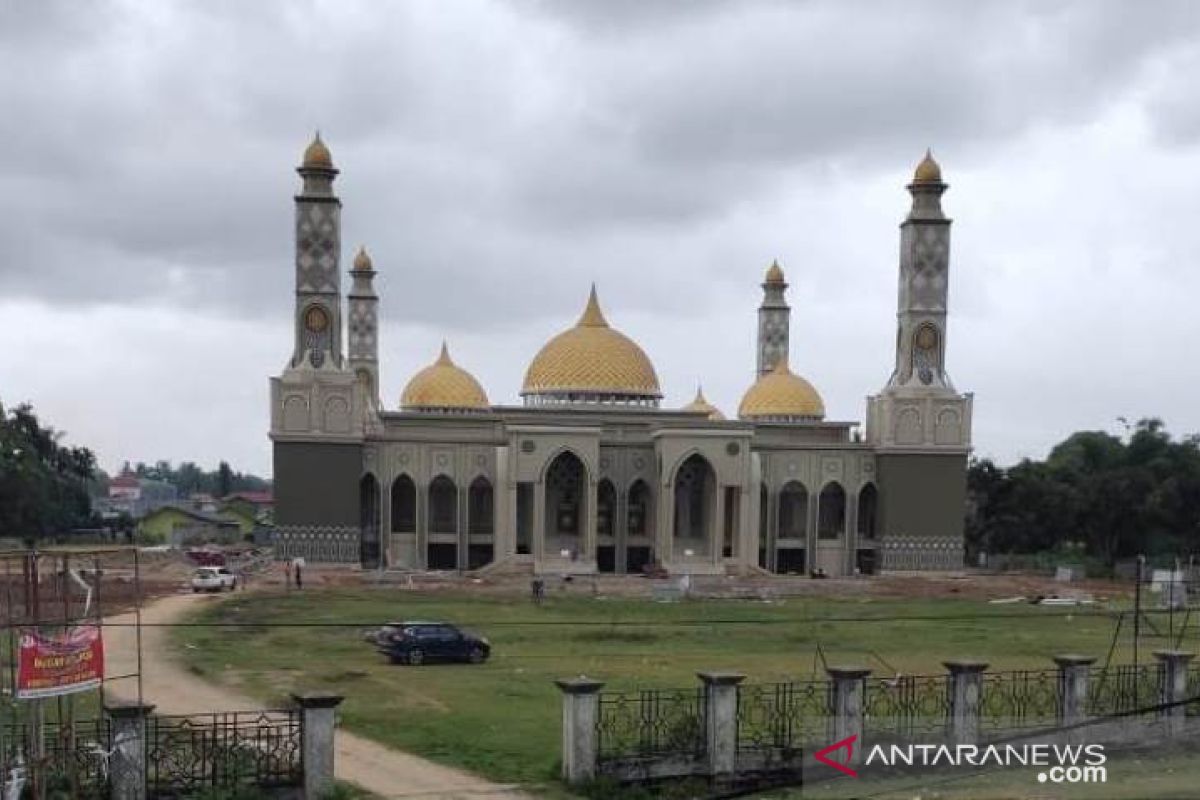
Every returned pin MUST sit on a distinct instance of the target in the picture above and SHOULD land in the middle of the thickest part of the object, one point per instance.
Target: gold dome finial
(317, 154)
(592, 317)
(928, 171)
(775, 272)
(444, 357)
(362, 261)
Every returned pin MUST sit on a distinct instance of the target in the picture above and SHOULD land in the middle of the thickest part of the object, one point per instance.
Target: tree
(224, 480)
(43, 484)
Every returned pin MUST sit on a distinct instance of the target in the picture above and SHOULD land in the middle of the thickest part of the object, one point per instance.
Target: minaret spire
(774, 321)
(364, 327)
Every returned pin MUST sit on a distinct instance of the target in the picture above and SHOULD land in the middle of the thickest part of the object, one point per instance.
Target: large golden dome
(443, 385)
(701, 404)
(591, 362)
(781, 395)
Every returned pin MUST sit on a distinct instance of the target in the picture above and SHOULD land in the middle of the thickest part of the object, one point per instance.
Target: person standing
(287, 574)
(297, 570)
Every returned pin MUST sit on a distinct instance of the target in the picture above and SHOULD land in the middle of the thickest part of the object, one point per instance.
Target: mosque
(590, 473)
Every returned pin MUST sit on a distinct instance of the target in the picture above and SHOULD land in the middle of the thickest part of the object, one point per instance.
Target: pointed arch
(831, 511)
(606, 508)
(566, 484)
(480, 507)
(695, 490)
(868, 511)
(793, 511)
(404, 505)
(443, 505)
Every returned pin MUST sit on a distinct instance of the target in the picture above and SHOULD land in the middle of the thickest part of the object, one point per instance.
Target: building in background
(590, 473)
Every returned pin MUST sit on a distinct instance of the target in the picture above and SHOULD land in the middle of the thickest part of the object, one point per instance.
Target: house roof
(257, 498)
(212, 519)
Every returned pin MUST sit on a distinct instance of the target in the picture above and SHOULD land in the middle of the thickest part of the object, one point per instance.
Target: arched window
(793, 511)
(443, 502)
(480, 516)
(641, 510)
(868, 502)
(831, 511)
(404, 505)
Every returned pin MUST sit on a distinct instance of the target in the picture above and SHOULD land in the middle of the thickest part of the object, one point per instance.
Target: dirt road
(174, 690)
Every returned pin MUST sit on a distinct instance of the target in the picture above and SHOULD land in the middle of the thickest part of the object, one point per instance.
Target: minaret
(924, 274)
(919, 427)
(774, 318)
(919, 407)
(363, 340)
(318, 318)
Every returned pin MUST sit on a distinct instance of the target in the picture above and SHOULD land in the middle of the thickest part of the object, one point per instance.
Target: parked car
(213, 579)
(418, 642)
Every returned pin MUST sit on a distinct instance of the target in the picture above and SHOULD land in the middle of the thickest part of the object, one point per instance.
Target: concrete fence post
(127, 764)
(1173, 688)
(849, 685)
(318, 712)
(965, 694)
(1074, 685)
(720, 719)
(581, 712)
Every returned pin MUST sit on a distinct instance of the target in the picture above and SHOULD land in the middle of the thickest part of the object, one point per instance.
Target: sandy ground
(173, 690)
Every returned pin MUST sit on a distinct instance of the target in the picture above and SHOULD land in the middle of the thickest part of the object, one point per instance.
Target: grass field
(502, 719)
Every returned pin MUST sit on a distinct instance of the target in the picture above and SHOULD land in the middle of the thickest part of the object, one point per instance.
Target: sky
(498, 157)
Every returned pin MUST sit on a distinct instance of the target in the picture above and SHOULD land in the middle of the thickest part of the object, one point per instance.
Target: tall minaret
(318, 318)
(364, 327)
(774, 318)
(924, 273)
(919, 406)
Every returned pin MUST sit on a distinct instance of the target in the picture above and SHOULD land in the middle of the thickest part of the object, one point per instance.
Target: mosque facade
(590, 473)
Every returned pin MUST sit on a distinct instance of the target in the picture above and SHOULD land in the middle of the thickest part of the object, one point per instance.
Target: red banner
(71, 661)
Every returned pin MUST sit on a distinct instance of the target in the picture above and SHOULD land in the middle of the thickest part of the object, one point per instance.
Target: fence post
(720, 719)
(966, 691)
(848, 687)
(127, 764)
(1173, 688)
(318, 712)
(581, 711)
(1074, 685)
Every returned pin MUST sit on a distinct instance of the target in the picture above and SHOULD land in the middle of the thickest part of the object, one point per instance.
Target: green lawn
(502, 719)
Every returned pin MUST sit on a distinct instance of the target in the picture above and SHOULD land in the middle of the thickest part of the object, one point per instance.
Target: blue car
(416, 643)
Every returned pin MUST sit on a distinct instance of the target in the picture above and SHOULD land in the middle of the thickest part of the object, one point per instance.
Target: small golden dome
(781, 394)
(443, 385)
(591, 358)
(362, 261)
(317, 154)
(928, 171)
(775, 273)
(702, 404)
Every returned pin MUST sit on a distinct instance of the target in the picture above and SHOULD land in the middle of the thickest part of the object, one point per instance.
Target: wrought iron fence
(1025, 698)
(1124, 688)
(782, 717)
(650, 723)
(906, 705)
(187, 754)
(1193, 692)
(72, 759)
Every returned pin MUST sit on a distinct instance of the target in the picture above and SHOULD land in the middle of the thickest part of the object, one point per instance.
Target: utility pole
(1137, 606)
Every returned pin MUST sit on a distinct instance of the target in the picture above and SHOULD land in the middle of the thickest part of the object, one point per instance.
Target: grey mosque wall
(921, 509)
(317, 500)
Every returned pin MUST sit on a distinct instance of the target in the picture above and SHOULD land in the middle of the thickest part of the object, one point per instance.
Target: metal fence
(1125, 688)
(190, 754)
(651, 723)
(71, 760)
(1018, 699)
(779, 718)
(906, 705)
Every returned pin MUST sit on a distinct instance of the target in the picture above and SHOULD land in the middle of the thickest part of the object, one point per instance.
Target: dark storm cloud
(149, 146)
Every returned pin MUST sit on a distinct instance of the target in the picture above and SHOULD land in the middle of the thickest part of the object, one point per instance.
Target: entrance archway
(566, 506)
(442, 548)
(695, 504)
